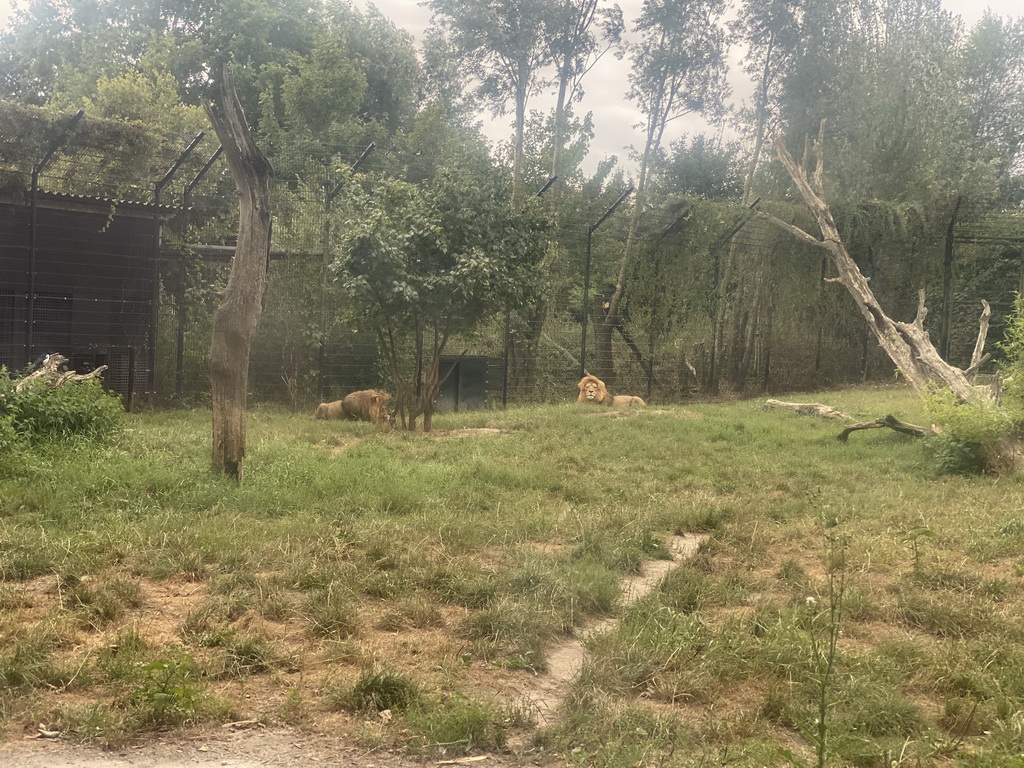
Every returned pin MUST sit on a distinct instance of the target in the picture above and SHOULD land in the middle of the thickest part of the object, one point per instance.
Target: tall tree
(386, 57)
(768, 29)
(575, 48)
(701, 167)
(503, 45)
(679, 68)
(993, 84)
(900, 123)
(812, 86)
(425, 263)
(443, 79)
(60, 48)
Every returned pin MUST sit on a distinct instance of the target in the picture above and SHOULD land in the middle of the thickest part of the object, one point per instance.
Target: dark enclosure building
(78, 276)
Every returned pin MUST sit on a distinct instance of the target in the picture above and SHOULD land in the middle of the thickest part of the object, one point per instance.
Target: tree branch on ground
(888, 422)
(809, 409)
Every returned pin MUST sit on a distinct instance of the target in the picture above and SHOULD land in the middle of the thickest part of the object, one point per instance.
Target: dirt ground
(259, 747)
(253, 748)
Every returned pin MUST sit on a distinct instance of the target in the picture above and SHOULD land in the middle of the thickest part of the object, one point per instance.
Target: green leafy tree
(323, 91)
(151, 99)
(768, 29)
(503, 45)
(903, 137)
(813, 83)
(422, 264)
(702, 167)
(913, 105)
(993, 84)
(386, 57)
(435, 141)
(59, 49)
(575, 49)
(444, 81)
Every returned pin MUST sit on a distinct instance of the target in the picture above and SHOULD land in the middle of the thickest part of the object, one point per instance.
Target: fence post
(586, 276)
(130, 405)
(179, 352)
(947, 283)
(504, 367)
(154, 310)
(650, 371)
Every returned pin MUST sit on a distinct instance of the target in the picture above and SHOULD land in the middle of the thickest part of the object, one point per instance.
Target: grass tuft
(332, 612)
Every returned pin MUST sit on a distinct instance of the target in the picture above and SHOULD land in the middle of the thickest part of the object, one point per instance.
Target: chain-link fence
(716, 300)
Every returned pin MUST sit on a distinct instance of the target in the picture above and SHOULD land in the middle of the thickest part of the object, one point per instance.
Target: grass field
(359, 571)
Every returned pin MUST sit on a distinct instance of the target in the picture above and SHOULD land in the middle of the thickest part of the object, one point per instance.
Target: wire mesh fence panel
(114, 251)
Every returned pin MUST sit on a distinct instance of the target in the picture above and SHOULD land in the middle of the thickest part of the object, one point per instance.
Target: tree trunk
(520, 131)
(235, 320)
(761, 111)
(604, 328)
(606, 318)
(907, 344)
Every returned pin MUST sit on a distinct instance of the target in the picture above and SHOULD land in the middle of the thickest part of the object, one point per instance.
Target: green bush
(973, 435)
(1012, 346)
(39, 414)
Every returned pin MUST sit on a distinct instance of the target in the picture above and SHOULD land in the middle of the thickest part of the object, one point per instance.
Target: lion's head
(593, 390)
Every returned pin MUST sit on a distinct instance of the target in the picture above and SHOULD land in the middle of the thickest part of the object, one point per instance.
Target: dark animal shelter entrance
(465, 389)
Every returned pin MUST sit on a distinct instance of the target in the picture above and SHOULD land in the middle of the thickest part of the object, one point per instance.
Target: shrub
(39, 414)
(973, 436)
(1012, 347)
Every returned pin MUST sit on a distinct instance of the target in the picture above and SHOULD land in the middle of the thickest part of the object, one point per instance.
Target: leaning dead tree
(235, 319)
(907, 344)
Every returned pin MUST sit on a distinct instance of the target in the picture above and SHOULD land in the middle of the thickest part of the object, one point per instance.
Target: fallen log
(888, 422)
(828, 412)
(809, 409)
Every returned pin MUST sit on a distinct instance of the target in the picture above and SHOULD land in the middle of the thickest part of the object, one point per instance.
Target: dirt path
(292, 748)
(566, 658)
(254, 748)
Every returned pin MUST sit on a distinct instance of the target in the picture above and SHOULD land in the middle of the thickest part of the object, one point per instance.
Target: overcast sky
(615, 117)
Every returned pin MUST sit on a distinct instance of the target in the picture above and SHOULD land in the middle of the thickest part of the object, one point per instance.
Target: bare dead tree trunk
(235, 320)
(907, 344)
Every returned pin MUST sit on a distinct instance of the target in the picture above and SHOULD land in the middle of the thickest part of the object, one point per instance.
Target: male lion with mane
(593, 390)
(364, 405)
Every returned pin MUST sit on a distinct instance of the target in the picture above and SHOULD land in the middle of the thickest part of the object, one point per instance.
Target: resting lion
(593, 390)
(364, 405)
